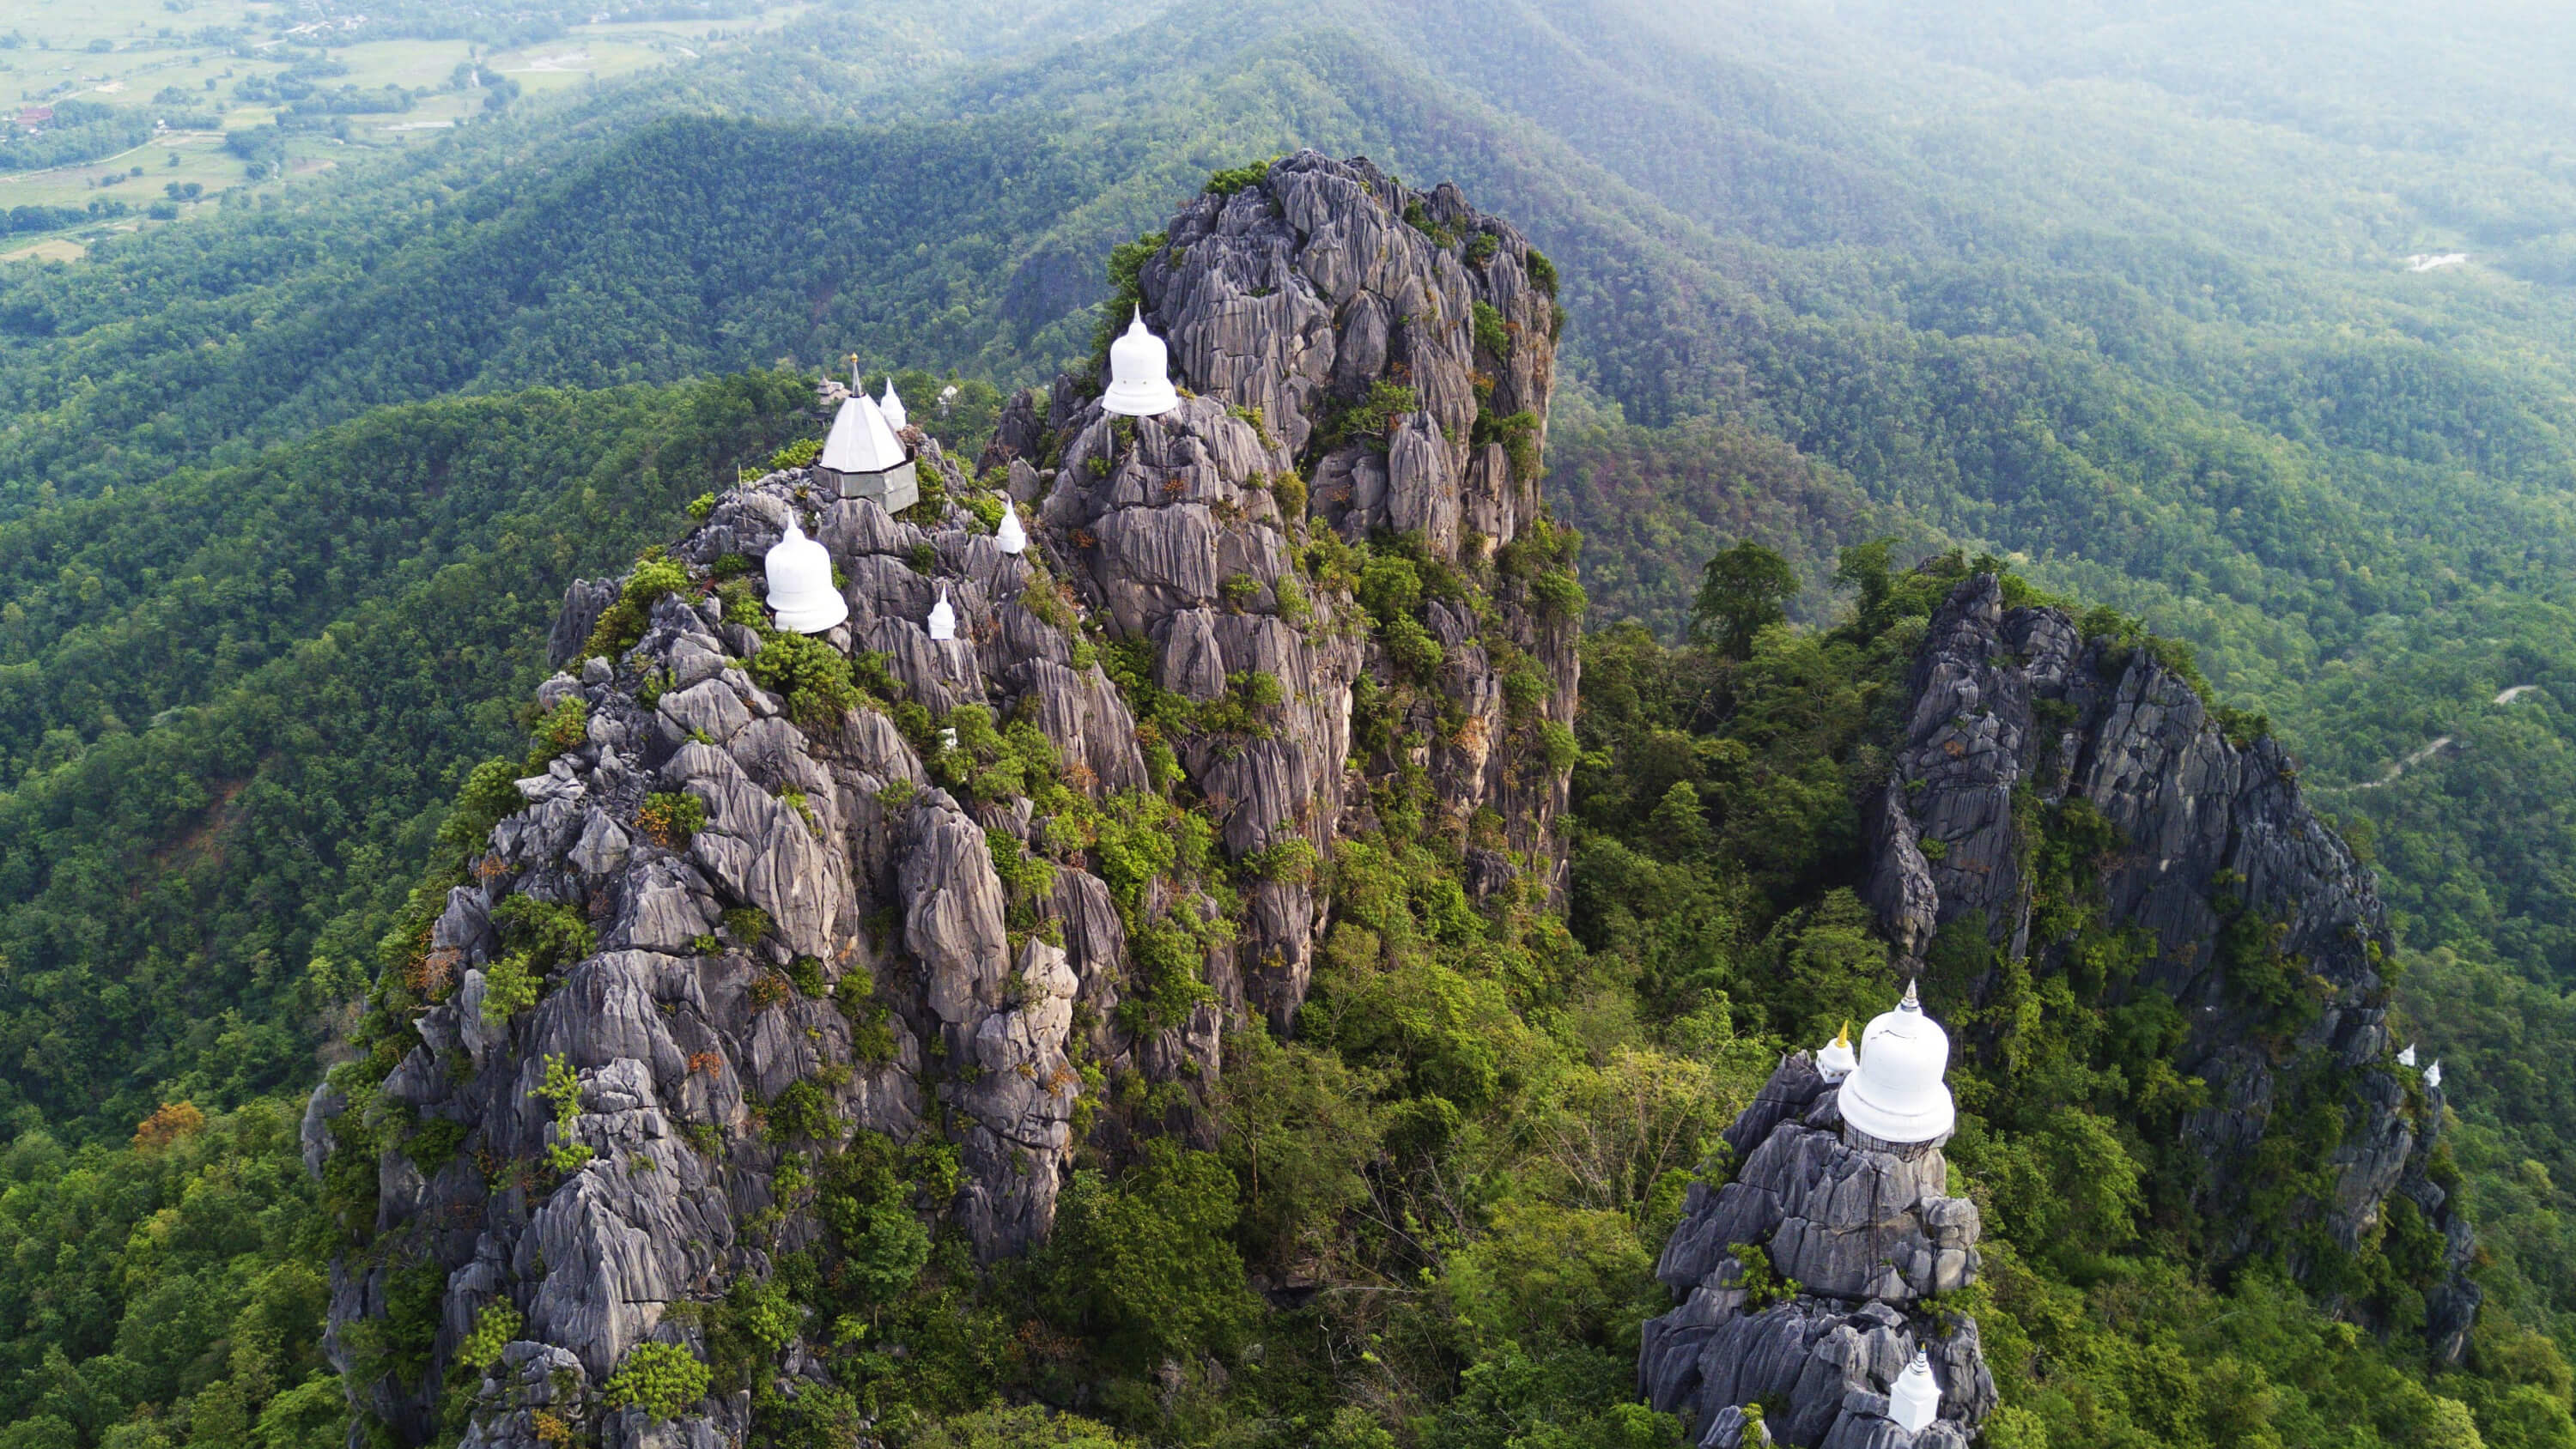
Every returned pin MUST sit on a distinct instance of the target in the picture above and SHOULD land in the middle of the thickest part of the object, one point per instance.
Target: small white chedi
(1837, 1059)
(943, 619)
(1140, 385)
(800, 585)
(1010, 536)
(1896, 1094)
(1915, 1399)
(891, 406)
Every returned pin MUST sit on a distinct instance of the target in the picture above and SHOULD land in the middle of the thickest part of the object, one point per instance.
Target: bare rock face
(2268, 930)
(734, 922)
(1852, 1234)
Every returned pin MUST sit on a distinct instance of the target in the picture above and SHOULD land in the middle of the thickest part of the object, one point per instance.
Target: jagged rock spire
(2001, 698)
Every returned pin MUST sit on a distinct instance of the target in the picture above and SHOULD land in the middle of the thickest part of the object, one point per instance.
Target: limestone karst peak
(2017, 702)
(788, 849)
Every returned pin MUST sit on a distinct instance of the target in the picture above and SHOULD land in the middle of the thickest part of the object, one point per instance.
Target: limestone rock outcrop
(1293, 307)
(2268, 931)
(1803, 1282)
(735, 922)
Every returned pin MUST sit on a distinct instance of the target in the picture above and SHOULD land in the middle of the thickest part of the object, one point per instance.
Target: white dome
(1139, 366)
(892, 406)
(1012, 537)
(943, 619)
(1897, 1095)
(1915, 1399)
(800, 585)
(1837, 1059)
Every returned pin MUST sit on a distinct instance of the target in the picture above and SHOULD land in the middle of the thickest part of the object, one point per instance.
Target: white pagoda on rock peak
(1140, 383)
(1896, 1094)
(800, 585)
(943, 619)
(1011, 537)
(1914, 1400)
(862, 457)
(892, 406)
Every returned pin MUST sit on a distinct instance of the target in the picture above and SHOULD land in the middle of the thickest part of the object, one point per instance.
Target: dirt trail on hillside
(2437, 746)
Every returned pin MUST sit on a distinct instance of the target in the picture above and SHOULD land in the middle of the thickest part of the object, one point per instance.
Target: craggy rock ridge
(2267, 930)
(738, 918)
(1852, 1234)
(1290, 306)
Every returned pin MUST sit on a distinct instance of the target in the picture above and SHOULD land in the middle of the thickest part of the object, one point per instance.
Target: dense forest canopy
(2124, 295)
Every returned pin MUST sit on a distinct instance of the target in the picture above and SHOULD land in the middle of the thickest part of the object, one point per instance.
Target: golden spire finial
(1843, 1038)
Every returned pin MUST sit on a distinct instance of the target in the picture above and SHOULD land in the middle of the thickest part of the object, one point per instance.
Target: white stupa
(1897, 1095)
(2433, 1073)
(1010, 536)
(1914, 1400)
(943, 619)
(892, 406)
(1140, 384)
(1836, 1059)
(2406, 1058)
(800, 585)
(862, 458)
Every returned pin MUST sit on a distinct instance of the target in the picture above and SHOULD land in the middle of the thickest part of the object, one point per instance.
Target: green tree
(1742, 591)
(1148, 1259)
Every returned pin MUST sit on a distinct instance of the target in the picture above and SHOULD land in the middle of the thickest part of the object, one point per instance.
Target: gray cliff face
(1862, 1234)
(2267, 929)
(898, 981)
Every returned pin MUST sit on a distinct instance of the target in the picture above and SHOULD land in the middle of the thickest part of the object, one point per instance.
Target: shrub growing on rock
(663, 1379)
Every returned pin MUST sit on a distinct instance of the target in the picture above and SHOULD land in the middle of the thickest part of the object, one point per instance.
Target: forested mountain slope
(2120, 296)
(239, 700)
